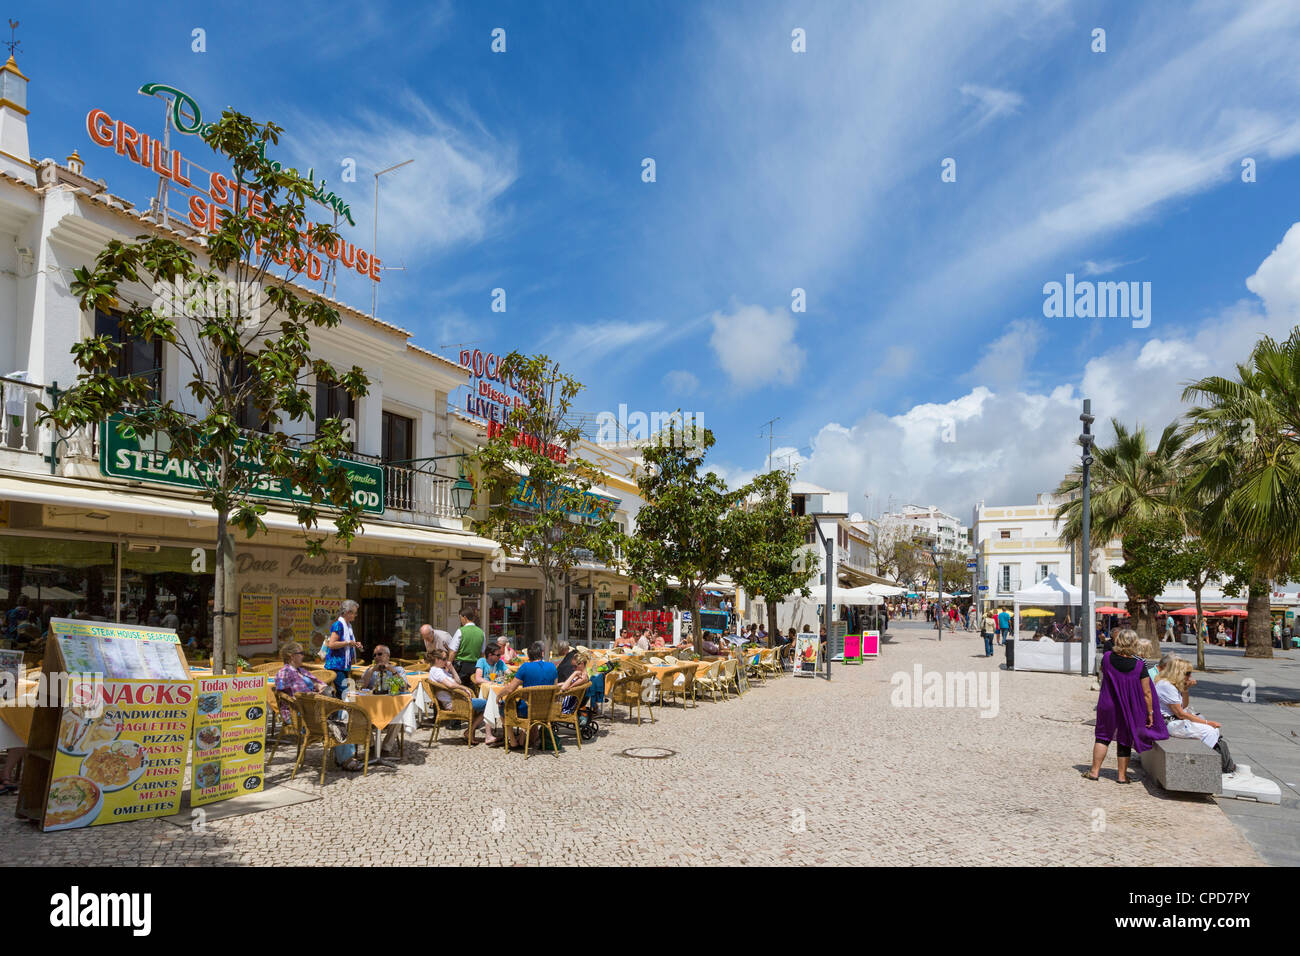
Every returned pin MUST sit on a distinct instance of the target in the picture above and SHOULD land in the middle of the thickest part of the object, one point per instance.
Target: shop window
(395, 600)
(134, 358)
(162, 589)
(333, 401)
(513, 614)
(43, 578)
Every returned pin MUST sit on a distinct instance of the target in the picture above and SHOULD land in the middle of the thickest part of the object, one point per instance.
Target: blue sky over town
(923, 367)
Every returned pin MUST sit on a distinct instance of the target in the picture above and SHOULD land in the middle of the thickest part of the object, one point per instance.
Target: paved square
(797, 771)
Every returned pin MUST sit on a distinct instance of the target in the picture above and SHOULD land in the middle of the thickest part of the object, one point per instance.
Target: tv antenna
(13, 43)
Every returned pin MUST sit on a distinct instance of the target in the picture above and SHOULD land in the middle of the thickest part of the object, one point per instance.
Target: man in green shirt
(470, 647)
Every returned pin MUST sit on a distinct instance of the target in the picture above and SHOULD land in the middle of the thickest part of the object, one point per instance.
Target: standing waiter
(469, 645)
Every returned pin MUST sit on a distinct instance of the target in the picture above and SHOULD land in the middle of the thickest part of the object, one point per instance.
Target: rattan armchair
(539, 702)
(310, 710)
(462, 707)
(281, 727)
(706, 679)
(359, 732)
(727, 677)
(578, 691)
(679, 681)
(625, 688)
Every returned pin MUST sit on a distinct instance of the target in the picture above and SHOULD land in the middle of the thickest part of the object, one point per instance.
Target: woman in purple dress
(1126, 711)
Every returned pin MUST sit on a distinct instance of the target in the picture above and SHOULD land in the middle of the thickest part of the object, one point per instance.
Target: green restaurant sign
(120, 456)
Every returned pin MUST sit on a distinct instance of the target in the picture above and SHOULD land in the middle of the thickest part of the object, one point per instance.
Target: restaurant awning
(75, 496)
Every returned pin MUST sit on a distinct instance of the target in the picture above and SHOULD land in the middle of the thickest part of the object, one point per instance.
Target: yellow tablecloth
(382, 709)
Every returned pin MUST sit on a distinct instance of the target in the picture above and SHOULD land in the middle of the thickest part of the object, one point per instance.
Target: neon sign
(194, 126)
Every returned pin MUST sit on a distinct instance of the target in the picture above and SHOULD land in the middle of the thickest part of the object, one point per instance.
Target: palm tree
(1131, 483)
(1245, 475)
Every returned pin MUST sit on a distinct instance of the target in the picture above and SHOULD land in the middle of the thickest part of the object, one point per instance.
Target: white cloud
(1106, 266)
(681, 381)
(992, 103)
(447, 196)
(1009, 443)
(1003, 362)
(755, 346)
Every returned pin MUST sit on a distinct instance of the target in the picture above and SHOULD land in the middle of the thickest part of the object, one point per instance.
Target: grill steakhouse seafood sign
(214, 195)
(122, 457)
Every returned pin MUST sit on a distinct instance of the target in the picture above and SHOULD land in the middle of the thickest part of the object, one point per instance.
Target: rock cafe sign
(207, 207)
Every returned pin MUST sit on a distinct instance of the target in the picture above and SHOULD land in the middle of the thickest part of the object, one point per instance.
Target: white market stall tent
(1049, 655)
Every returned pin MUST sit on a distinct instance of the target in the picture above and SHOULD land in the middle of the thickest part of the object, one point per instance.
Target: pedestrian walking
(986, 632)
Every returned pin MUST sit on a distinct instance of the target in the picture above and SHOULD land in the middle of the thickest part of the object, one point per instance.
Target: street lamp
(1085, 598)
(830, 579)
(374, 247)
(462, 494)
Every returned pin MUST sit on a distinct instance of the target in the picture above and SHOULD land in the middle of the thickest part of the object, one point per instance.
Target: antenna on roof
(13, 43)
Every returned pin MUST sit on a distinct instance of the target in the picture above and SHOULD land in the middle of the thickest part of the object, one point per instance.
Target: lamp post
(830, 578)
(374, 246)
(1084, 597)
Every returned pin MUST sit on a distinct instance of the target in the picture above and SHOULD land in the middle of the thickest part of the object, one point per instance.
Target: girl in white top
(1175, 679)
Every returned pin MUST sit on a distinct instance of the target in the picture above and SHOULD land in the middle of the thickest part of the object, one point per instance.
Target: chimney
(15, 158)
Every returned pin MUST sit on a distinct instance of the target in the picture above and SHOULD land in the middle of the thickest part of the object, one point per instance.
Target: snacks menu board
(120, 756)
(294, 612)
(229, 737)
(256, 618)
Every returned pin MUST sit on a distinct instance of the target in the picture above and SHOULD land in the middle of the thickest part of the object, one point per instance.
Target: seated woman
(624, 639)
(1126, 711)
(658, 643)
(1173, 688)
(293, 679)
(442, 674)
(572, 671)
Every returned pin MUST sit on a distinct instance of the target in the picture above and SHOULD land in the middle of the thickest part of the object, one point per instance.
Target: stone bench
(1183, 765)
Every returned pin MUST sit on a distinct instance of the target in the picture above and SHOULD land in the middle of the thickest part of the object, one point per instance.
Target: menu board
(229, 737)
(122, 756)
(323, 614)
(11, 671)
(805, 654)
(256, 618)
(118, 650)
(294, 612)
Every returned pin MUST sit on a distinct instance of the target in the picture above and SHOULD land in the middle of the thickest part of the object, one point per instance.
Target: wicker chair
(359, 731)
(310, 711)
(557, 715)
(625, 688)
(727, 678)
(767, 663)
(677, 682)
(540, 700)
(281, 728)
(708, 679)
(754, 666)
(461, 707)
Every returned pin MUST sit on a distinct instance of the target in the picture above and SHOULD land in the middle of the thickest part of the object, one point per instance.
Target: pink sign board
(852, 647)
(871, 644)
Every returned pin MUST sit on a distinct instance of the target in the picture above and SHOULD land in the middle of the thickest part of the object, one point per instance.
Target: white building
(930, 525)
(75, 539)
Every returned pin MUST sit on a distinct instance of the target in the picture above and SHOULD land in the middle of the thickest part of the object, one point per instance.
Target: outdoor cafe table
(383, 709)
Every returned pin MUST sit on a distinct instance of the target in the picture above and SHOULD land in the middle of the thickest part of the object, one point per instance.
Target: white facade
(930, 524)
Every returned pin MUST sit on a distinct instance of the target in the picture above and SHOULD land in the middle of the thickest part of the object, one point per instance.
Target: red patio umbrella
(1231, 612)
(1184, 612)
(1111, 610)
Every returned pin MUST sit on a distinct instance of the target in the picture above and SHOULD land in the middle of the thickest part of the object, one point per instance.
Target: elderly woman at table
(293, 679)
(442, 674)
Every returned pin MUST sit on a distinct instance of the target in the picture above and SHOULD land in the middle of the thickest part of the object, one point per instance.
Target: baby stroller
(587, 723)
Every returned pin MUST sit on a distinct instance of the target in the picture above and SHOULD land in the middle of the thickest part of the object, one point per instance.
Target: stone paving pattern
(873, 784)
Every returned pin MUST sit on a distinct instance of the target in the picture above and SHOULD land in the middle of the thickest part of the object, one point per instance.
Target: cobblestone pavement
(797, 771)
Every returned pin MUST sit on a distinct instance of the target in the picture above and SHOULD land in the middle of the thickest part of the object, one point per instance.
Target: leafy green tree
(767, 554)
(1132, 483)
(681, 538)
(1245, 476)
(541, 505)
(241, 330)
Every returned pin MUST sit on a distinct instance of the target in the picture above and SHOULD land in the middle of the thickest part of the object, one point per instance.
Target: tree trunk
(697, 627)
(224, 632)
(771, 621)
(1259, 621)
(1142, 611)
(1200, 641)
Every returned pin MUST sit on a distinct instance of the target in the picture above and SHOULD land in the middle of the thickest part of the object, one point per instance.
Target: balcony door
(398, 446)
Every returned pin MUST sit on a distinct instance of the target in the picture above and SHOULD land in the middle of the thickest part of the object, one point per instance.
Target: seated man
(376, 680)
(538, 672)
(442, 674)
(642, 642)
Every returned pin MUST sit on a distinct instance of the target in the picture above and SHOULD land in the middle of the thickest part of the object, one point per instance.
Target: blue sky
(923, 368)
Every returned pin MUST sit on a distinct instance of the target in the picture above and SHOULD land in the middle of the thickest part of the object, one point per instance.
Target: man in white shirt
(643, 642)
